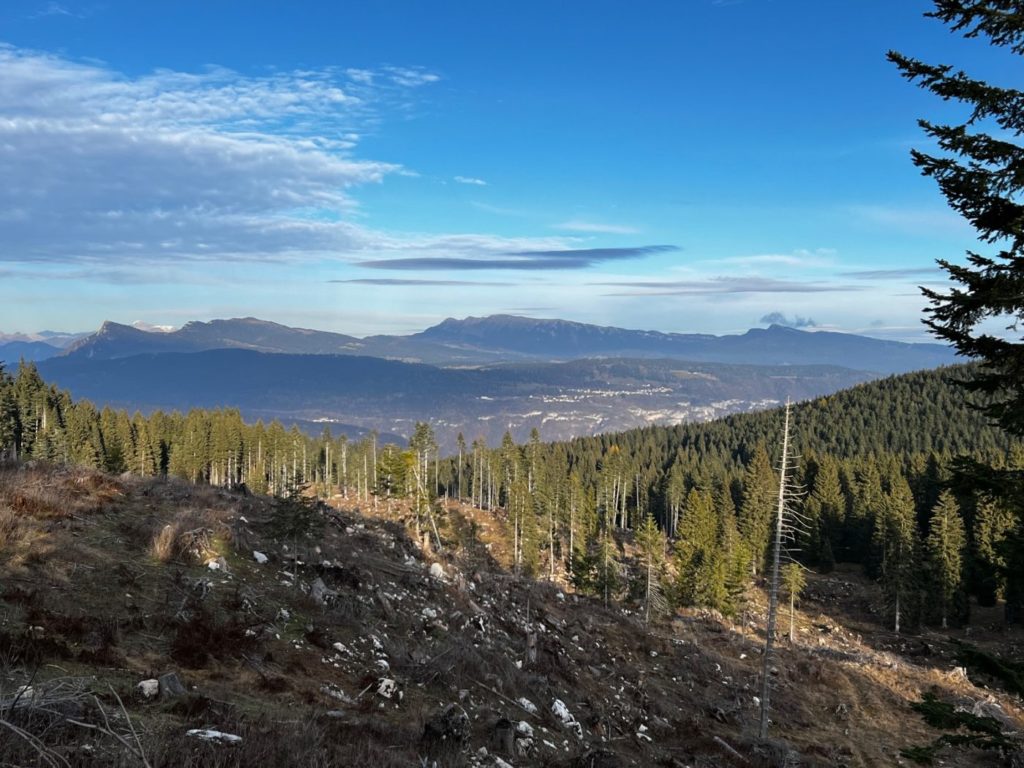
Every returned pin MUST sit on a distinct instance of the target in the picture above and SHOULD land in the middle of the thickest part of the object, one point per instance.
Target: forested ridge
(695, 500)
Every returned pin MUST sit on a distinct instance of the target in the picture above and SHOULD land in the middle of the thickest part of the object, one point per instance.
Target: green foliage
(296, 516)
(760, 488)
(650, 541)
(981, 732)
(944, 548)
(993, 522)
(979, 175)
(897, 540)
(793, 580)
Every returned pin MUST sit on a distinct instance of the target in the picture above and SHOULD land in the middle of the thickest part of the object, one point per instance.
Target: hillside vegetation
(146, 621)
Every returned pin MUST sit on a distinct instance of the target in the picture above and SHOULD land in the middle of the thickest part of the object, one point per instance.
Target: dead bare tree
(789, 523)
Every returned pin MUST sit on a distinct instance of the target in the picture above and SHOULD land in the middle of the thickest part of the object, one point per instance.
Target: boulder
(170, 686)
(320, 593)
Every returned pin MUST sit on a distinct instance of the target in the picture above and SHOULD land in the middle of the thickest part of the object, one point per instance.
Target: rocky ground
(149, 622)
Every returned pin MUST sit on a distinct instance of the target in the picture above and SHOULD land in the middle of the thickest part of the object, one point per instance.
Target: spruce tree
(759, 491)
(650, 541)
(898, 543)
(944, 547)
(979, 174)
(992, 523)
(699, 562)
(793, 582)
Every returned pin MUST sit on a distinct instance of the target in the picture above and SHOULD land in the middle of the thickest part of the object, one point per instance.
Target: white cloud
(927, 221)
(55, 9)
(804, 258)
(580, 225)
(470, 180)
(97, 165)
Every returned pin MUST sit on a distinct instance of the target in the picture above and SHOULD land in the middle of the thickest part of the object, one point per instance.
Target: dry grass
(112, 584)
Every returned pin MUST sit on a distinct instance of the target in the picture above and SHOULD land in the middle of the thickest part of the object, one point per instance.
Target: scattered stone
(149, 688)
(562, 712)
(524, 747)
(437, 571)
(528, 705)
(388, 688)
(170, 686)
(320, 593)
(217, 736)
(259, 557)
(218, 564)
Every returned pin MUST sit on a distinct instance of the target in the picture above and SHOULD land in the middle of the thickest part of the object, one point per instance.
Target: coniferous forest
(876, 472)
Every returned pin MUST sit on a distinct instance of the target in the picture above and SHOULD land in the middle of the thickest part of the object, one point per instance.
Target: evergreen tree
(606, 567)
(897, 540)
(826, 508)
(793, 582)
(699, 562)
(9, 426)
(650, 541)
(760, 489)
(993, 522)
(944, 547)
(980, 176)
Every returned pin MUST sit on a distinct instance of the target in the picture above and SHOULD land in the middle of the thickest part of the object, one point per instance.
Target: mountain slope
(114, 340)
(776, 345)
(562, 400)
(13, 351)
(323, 636)
(503, 338)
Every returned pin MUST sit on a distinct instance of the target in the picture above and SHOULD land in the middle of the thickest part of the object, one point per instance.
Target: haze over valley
(480, 376)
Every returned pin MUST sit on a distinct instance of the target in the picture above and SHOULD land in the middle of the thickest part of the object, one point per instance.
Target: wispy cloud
(804, 258)
(414, 282)
(581, 225)
(778, 318)
(499, 210)
(410, 77)
(176, 165)
(884, 274)
(725, 285)
(470, 180)
(578, 258)
(56, 9)
(914, 220)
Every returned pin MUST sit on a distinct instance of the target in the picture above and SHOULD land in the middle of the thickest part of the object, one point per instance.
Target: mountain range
(478, 376)
(508, 338)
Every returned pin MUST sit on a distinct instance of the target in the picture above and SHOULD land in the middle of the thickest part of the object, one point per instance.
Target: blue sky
(695, 165)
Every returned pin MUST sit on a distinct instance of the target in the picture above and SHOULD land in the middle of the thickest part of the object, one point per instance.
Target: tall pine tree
(980, 176)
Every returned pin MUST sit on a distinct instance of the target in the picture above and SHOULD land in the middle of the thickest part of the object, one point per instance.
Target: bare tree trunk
(773, 596)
